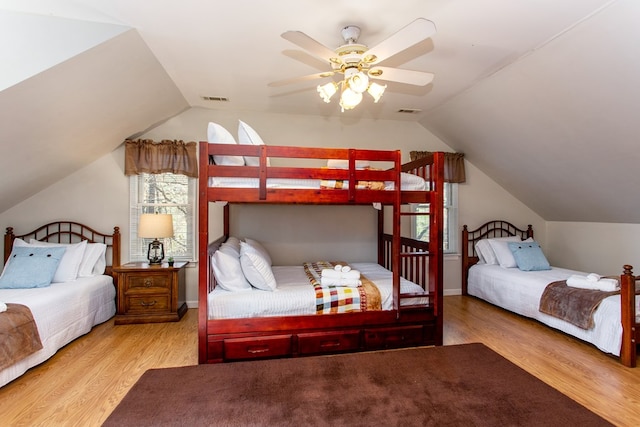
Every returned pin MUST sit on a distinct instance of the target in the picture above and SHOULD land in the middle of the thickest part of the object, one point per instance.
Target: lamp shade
(155, 225)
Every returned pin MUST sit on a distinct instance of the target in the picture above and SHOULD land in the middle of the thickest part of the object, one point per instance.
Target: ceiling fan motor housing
(350, 34)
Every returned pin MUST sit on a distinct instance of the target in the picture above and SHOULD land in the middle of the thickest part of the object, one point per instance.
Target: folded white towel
(582, 282)
(328, 281)
(338, 267)
(346, 269)
(333, 274)
(593, 277)
(3, 307)
(353, 274)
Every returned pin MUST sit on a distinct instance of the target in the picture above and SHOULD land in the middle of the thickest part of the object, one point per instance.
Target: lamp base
(155, 255)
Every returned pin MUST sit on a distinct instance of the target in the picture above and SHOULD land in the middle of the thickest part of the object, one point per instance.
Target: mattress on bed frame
(63, 312)
(296, 296)
(520, 292)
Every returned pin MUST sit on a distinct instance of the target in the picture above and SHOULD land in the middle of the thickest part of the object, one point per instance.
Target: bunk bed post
(465, 258)
(381, 236)
(436, 241)
(628, 349)
(203, 259)
(395, 243)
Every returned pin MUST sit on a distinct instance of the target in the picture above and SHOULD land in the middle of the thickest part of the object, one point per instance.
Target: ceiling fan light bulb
(327, 90)
(376, 91)
(349, 99)
(359, 82)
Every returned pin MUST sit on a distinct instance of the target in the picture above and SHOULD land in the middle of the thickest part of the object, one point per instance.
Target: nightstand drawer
(147, 304)
(152, 282)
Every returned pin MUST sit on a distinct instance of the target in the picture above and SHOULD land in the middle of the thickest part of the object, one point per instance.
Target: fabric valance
(453, 165)
(147, 156)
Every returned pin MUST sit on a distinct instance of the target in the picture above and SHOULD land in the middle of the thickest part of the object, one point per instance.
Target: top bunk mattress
(408, 182)
(294, 294)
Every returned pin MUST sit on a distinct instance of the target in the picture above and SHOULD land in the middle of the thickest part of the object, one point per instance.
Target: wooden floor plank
(85, 380)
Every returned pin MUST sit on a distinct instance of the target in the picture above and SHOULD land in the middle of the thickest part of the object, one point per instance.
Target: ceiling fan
(360, 64)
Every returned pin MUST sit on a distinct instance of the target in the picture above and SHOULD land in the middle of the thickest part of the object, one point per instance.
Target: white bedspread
(520, 292)
(294, 294)
(63, 312)
(408, 182)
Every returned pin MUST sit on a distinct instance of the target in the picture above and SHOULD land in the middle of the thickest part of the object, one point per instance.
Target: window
(420, 224)
(164, 193)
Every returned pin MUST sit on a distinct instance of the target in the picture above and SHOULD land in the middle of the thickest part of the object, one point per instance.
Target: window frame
(450, 219)
(138, 246)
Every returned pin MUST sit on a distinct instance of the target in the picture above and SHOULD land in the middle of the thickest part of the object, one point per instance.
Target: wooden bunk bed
(406, 324)
(616, 314)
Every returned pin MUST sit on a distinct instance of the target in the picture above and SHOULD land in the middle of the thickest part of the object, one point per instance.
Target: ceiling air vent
(216, 98)
(410, 110)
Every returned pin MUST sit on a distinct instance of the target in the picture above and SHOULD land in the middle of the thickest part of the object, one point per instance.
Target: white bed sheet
(408, 182)
(63, 312)
(294, 294)
(520, 292)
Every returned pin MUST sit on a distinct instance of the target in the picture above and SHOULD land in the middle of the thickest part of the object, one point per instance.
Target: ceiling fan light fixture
(358, 82)
(349, 99)
(376, 90)
(327, 90)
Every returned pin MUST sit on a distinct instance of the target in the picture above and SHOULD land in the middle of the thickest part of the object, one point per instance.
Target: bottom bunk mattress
(62, 313)
(520, 292)
(295, 295)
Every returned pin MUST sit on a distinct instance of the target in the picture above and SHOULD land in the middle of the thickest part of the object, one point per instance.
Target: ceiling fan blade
(417, 78)
(301, 79)
(304, 41)
(417, 31)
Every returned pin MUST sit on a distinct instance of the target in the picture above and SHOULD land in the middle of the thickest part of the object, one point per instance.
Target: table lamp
(155, 226)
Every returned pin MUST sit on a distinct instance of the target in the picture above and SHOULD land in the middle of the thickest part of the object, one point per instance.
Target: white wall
(98, 195)
(594, 247)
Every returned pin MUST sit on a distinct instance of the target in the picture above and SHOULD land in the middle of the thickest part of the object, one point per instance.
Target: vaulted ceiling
(541, 95)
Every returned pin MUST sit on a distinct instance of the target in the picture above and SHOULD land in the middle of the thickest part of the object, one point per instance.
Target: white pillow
(248, 136)
(94, 260)
(69, 264)
(256, 268)
(219, 135)
(232, 243)
(228, 272)
(257, 246)
(503, 253)
(485, 250)
(344, 164)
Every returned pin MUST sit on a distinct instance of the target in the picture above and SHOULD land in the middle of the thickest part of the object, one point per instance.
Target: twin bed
(611, 324)
(282, 313)
(63, 310)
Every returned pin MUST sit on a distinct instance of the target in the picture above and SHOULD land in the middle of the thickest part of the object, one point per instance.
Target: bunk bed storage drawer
(328, 342)
(402, 336)
(257, 347)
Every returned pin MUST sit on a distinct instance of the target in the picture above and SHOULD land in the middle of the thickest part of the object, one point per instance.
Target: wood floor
(84, 381)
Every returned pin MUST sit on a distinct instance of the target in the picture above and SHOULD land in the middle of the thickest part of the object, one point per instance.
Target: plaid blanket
(341, 299)
(333, 184)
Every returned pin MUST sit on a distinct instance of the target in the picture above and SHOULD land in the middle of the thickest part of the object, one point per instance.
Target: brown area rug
(468, 385)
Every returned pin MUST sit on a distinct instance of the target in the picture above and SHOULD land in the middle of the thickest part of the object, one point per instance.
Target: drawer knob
(148, 283)
(148, 304)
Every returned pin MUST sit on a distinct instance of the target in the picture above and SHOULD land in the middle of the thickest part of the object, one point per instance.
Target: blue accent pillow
(31, 267)
(529, 256)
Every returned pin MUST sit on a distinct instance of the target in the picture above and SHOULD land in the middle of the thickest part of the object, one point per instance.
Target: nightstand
(150, 293)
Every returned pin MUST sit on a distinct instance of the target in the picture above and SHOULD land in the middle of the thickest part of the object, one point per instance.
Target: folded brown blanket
(18, 335)
(573, 305)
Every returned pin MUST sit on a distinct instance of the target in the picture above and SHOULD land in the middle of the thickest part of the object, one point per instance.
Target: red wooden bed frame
(499, 228)
(222, 340)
